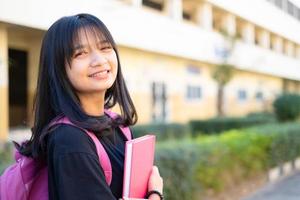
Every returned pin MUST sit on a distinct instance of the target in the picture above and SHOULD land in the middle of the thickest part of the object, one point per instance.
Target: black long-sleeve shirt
(74, 170)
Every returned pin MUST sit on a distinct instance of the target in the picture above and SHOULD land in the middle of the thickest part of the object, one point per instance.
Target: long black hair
(55, 96)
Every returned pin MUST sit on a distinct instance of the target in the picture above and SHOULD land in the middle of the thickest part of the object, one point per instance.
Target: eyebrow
(80, 46)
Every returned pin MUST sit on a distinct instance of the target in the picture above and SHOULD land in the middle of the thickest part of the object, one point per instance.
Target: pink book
(139, 158)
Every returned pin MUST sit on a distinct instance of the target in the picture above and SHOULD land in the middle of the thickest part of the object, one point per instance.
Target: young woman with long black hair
(79, 77)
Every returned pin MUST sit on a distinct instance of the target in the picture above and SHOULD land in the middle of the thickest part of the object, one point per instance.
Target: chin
(105, 88)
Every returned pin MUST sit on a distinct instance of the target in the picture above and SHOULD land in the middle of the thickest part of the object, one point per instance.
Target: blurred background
(218, 82)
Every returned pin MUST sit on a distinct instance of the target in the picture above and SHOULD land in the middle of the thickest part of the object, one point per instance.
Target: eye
(80, 53)
(106, 48)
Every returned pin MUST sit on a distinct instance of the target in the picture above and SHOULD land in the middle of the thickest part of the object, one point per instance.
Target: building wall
(3, 83)
(171, 49)
(141, 68)
(252, 84)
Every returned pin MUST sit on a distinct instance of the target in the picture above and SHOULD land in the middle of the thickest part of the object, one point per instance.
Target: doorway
(17, 87)
(159, 101)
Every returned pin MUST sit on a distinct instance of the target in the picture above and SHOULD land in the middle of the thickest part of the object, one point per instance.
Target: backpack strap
(102, 155)
(125, 130)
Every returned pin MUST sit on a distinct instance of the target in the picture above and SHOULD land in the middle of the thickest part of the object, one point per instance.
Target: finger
(155, 170)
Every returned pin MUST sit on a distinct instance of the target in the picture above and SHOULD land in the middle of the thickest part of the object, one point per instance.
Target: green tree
(224, 71)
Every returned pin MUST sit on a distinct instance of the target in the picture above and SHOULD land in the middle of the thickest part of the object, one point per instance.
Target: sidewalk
(287, 188)
(19, 134)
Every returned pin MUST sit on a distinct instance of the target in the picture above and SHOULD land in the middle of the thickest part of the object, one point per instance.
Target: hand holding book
(140, 176)
(155, 183)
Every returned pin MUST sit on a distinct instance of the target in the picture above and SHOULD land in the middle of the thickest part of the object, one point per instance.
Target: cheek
(71, 77)
(114, 63)
(74, 75)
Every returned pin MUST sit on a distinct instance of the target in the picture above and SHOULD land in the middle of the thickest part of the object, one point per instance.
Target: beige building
(168, 50)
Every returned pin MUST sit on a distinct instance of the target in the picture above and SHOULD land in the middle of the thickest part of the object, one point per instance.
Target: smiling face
(93, 66)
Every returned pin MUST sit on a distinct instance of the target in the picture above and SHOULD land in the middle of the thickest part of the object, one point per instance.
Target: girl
(80, 76)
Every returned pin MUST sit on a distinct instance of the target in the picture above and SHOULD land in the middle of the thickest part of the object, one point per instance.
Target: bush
(262, 115)
(233, 157)
(162, 131)
(6, 156)
(285, 143)
(191, 168)
(177, 166)
(217, 125)
(216, 162)
(287, 107)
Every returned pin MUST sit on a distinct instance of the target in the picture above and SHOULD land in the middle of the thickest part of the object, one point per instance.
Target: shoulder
(70, 139)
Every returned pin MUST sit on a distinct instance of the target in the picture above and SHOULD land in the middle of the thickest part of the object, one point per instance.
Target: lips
(100, 74)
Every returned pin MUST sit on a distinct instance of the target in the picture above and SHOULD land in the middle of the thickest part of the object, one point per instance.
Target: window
(298, 13)
(159, 101)
(287, 7)
(272, 44)
(191, 69)
(193, 92)
(256, 36)
(259, 96)
(278, 3)
(153, 4)
(290, 8)
(242, 95)
(186, 15)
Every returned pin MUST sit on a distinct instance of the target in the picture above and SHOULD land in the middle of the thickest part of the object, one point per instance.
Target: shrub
(285, 141)
(234, 156)
(216, 162)
(217, 125)
(268, 116)
(287, 107)
(6, 156)
(177, 165)
(162, 131)
(210, 162)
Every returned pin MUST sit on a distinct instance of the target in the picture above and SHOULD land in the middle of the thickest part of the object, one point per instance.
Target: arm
(155, 183)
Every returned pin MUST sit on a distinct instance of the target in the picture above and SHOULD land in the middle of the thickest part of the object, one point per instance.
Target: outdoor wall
(141, 68)
(251, 83)
(3, 83)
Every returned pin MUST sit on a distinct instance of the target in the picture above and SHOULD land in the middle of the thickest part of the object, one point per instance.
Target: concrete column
(289, 48)
(3, 85)
(33, 68)
(204, 17)
(277, 44)
(264, 39)
(173, 8)
(293, 49)
(298, 51)
(136, 3)
(229, 24)
(248, 32)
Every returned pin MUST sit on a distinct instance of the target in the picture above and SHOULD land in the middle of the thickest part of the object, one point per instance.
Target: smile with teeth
(101, 74)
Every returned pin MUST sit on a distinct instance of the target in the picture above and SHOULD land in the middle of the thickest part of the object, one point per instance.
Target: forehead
(89, 36)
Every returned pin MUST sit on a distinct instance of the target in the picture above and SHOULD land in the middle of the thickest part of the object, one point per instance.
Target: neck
(92, 104)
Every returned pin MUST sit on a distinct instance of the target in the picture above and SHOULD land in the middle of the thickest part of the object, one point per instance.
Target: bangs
(84, 27)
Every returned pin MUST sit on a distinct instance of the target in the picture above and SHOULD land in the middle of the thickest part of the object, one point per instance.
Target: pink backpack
(26, 179)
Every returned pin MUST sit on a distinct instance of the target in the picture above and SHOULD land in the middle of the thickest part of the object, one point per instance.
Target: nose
(97, 59)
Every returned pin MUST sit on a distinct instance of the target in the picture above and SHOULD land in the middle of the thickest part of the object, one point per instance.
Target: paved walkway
(285, 189)
(19, 134)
